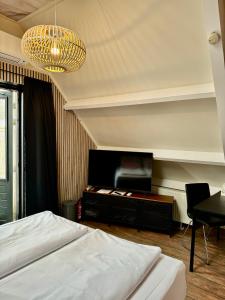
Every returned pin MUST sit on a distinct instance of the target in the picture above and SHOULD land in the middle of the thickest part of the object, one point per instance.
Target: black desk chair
(197, 192)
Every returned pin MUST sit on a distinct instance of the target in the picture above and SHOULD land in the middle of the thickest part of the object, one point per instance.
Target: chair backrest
(195, 193)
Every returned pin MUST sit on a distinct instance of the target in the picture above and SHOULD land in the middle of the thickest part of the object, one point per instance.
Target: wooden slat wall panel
(14, 74)
(73, 144)
(72, 140)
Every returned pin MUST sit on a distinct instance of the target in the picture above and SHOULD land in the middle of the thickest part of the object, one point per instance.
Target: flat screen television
(129, 171)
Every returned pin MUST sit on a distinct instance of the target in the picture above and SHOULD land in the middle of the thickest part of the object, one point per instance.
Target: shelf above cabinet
(196, 157)
(190, 92)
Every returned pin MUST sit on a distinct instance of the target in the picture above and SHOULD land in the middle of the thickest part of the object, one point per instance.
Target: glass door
(9, 162)
(5, 159)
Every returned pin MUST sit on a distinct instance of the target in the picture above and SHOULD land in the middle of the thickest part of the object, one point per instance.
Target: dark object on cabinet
(149, 211)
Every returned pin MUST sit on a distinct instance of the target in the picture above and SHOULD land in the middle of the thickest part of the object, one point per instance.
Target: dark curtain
(40, 174)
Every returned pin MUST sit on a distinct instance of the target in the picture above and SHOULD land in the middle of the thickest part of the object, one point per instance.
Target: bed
(45, 256)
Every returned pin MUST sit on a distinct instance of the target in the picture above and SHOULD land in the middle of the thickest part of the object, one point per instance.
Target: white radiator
(177, 190)
(180, 207)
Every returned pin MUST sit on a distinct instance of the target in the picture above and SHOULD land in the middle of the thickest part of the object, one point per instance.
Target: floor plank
(207, 282)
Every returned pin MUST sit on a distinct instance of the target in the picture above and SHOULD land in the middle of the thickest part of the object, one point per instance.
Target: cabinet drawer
(154, 218)
(92, 211)
(123, 215)
(141, 213)
(162, 209)
(123, 202)
(94, 198)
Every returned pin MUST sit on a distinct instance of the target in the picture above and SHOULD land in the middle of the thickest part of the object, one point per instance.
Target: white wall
(186, 125)
(170, 178)
(147, 45)
(10, 44)
(181, 126)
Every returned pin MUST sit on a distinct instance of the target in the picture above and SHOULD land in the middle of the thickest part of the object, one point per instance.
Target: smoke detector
(214, 38)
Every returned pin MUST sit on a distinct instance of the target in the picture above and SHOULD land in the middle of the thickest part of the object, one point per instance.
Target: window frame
(5, 98)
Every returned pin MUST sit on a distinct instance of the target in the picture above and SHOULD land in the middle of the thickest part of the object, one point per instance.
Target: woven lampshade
(53, 48)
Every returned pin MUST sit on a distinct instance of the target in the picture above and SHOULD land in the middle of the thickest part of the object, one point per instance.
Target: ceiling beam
(191, 92)
(10, 26)
(193, 157)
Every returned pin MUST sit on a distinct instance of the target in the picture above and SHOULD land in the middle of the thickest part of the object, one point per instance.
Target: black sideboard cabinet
(142, 211)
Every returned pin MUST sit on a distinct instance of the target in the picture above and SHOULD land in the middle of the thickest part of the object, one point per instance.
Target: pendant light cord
(55, 11)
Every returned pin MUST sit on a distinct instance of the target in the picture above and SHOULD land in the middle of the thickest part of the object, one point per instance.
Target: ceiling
(18, 9)
(135, 46)
(132, 45)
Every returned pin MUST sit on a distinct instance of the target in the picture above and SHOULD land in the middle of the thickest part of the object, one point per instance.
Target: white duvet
(28, 239)
(94, 267)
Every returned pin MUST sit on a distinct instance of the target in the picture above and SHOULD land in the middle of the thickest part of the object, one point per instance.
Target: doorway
(9, 155)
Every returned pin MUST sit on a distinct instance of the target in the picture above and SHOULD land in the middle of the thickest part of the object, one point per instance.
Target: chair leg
(186, 229)
(206, 249)
(183, 235)
(208, 232)
(218, 233)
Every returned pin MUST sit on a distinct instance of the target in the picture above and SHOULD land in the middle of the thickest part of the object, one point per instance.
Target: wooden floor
(207, 281)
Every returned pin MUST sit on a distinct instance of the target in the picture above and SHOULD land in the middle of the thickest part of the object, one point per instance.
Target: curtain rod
(31, 74)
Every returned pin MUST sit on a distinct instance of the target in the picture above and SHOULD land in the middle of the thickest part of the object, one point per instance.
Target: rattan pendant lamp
(53, 48)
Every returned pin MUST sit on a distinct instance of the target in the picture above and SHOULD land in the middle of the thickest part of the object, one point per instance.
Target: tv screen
(129, 171)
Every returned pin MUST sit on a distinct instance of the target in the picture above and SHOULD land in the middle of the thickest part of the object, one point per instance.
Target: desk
(213, 206)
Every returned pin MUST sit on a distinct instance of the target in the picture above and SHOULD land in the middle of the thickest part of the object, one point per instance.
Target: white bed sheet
(96, 266)
(166, 281)
(28, 239)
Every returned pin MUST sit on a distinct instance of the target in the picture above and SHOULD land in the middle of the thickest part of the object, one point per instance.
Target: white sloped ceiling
(17, 10)
(132, 45)
(135, 46)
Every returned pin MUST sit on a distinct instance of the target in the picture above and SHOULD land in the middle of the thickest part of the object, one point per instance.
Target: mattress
(90, 265)
(166, 281)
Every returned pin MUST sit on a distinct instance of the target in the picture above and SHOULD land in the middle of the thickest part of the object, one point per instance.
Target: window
(3, 138)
